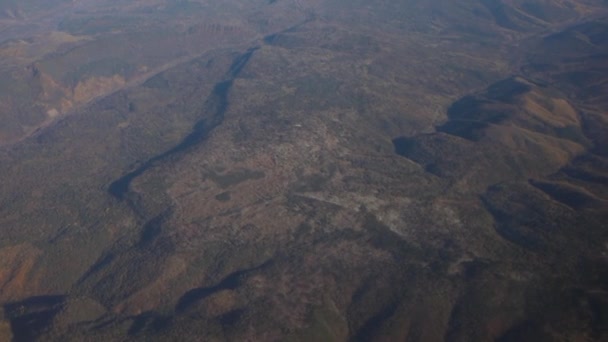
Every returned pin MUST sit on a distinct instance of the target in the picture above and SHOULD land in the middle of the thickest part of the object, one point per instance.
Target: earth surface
(304, 170)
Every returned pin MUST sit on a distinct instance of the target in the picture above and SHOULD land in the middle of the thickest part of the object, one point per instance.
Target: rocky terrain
(304, 170)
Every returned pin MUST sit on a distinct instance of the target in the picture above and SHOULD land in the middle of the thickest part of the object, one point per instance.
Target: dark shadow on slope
(404, 146)
(231, 317)
(30, 317)
(230, 282)
(498, 11)
(216, 104)
(569, 195)
(152, 229)
(104, 261)
(528, 330)
(372, 325)
(468, 117)
(149, 321)
(240, 62)
(507, 225)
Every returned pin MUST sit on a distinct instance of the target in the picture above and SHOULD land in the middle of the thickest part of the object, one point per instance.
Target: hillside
(304, 170)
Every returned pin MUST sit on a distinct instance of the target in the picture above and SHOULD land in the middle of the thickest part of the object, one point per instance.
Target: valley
(303, 170)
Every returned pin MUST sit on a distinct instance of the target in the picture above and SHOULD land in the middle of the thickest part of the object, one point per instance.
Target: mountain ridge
(385, 171)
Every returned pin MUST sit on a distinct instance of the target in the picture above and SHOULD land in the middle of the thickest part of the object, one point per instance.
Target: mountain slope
(306, 170)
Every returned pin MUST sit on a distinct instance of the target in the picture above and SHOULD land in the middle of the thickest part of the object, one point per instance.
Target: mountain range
(304, 170)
